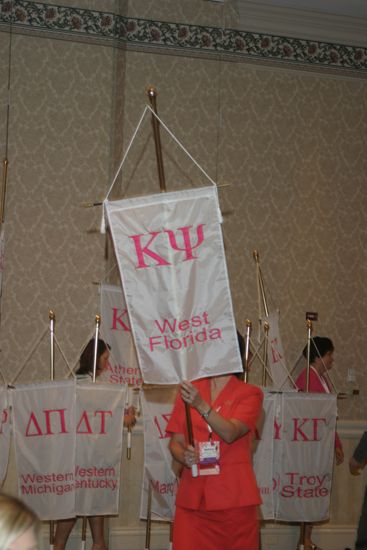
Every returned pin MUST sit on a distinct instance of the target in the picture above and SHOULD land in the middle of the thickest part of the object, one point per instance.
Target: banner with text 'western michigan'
(172, 264)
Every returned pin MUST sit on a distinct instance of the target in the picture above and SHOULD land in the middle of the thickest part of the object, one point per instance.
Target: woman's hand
(191, 395)
(190, 456)
(129, 417)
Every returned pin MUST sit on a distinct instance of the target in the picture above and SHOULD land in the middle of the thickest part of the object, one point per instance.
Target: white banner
(44, 436)
(303, 468)
(158, 468)
(294, 456)
(99, 427)
(122, 365)
(4, 434)
(276, 357)
(170, 253)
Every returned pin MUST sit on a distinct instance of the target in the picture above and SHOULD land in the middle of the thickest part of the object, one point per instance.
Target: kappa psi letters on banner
(68, 447)
(171, 258)
(299, 435)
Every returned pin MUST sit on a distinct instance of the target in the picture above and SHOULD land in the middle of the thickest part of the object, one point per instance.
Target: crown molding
(311, 24)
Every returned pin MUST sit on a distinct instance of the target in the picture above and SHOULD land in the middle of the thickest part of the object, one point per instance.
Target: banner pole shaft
(309, 334)
(3, 189)
(152, 95)
(261, 282)
(149, 518)
(265, 353)
(97, 323)
(247, 349)
(51, 317)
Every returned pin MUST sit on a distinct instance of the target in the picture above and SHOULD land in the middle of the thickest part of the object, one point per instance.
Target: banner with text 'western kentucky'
(122, 365)
(171, 258)
(4, 433)
(159, 472)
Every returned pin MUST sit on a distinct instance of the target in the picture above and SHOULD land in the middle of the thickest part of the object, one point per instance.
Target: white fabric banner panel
(276, 357)
(122, 365)
(157, 407)
(44, 437)
(263, 454)
(171, 258)
(4, 433)
(303, 463)
(99, 427)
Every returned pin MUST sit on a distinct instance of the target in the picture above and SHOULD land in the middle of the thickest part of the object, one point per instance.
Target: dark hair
(241, 346)
(319, 346)
(87, 356)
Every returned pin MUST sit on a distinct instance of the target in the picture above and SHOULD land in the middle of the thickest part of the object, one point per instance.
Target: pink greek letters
(144, 242)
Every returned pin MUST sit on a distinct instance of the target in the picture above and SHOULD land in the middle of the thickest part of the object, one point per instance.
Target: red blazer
(315, 386)
(235, 486)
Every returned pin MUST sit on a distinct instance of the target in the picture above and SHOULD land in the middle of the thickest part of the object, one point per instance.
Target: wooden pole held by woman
(152, 95)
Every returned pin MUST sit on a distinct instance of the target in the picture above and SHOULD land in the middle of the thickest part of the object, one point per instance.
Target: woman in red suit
(218, 510)
(321, 360)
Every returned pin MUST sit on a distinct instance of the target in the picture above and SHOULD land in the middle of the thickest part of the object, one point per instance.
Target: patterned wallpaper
(290, 144)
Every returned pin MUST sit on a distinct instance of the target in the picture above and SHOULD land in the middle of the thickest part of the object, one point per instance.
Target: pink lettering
(33, 422)
(103, 420)
(117, 320)
(61, 413)
(141, 250)
(188, 247)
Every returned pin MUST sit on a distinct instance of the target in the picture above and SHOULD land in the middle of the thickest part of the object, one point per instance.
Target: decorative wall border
(95, 25)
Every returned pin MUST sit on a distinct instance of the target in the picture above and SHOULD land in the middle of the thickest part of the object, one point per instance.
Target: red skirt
(234, 529)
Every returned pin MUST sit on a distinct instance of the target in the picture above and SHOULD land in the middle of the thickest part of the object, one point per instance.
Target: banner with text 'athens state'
(122, 365)
(172, 264)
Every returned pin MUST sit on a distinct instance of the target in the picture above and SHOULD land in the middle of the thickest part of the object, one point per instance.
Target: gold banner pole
(309, 335)
(152, 95)
(97, 321)
(261, 282)
(265, 352)
(51, 316)
(247, 350)
(3, 189)
(149, 518)
(302, 534)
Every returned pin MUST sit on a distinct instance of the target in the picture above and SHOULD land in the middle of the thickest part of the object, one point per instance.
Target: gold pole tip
(309, 323)
(255, 255)
(266, 326)
(51, 315)
(248, 323)
(151, 91)
(98, 319)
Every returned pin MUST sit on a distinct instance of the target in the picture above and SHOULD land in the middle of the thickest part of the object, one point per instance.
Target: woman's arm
(228, 429)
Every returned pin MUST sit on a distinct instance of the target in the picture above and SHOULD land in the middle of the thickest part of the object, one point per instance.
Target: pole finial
(97, 320)
(152, 92)
(309, 324)
(255, 255)
(248, 323)
(51, 315)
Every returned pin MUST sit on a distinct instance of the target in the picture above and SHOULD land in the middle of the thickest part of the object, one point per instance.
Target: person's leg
(308, 544)
(63, 530)
(97, 527)
(361, 542)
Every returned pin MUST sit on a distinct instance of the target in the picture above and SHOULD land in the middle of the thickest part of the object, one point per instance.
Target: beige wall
(290, 143)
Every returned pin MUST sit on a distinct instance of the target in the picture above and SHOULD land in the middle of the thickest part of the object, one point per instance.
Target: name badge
(209, 454)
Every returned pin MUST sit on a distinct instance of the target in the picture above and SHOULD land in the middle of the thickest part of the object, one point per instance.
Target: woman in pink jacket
(321, 360)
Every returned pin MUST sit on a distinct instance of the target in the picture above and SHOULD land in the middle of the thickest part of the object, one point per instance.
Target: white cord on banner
(182, 147)
(127, 152)
(72, 369)
(29, 355)
(63, 356)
